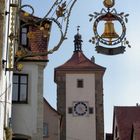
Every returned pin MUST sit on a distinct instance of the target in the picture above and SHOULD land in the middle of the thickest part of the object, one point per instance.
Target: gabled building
(126, 123)
(27, 98)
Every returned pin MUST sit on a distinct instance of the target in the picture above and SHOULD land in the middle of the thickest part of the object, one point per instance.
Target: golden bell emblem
(109, 31)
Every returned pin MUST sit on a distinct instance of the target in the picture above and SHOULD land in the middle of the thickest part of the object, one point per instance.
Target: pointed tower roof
(79, 61)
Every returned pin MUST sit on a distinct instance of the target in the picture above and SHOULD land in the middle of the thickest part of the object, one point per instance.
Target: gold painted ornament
(26, 14)
(109, 32)
(109, 3)
(19, 67)
(31, 35)
(20, 53)
(61, 10)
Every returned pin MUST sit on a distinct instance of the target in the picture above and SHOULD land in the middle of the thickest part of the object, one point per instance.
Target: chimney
(93, 59)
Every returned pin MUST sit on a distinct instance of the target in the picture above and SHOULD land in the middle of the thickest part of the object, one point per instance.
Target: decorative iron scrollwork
(58, 14)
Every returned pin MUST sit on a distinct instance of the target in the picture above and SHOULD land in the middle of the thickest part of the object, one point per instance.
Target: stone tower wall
(61, 101)
(99, 107)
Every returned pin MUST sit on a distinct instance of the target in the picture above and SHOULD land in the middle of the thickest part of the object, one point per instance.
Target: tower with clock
(80, 96)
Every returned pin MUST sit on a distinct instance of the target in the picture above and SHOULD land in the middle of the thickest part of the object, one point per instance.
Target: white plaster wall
(5, 77)
(5, 101)
(82, 127)
(2, 105)
(24, 116)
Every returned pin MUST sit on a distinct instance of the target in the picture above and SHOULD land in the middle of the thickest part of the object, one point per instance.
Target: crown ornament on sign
(109, 3)
(107, 42)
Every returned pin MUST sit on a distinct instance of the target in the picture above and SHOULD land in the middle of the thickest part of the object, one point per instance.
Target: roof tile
(79, 61)
(125, 117)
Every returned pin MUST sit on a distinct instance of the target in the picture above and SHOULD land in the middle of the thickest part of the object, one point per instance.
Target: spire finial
(78, 41)
(78, 28)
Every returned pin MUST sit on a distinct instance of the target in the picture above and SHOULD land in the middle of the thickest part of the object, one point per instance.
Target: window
(116, 132)
(90, 110)
(24, 39)
(20, 88)
(19, 139)
(45, 130)
(70, 110)
(80, 83)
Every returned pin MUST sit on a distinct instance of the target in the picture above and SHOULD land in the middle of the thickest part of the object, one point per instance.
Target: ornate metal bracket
(62, 12)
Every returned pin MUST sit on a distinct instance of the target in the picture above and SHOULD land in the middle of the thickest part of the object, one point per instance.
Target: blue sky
(121, 79)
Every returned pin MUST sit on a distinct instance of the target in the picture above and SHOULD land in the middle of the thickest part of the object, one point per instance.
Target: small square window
(70, 110)
(90, 110)
(80, 83)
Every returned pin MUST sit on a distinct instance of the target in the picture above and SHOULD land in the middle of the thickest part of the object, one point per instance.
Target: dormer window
(24, 39)
(24, 29)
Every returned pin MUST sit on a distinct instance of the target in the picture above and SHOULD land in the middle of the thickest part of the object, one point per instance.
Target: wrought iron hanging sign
(109, 42)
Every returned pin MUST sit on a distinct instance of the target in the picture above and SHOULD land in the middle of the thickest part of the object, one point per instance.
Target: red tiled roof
(51, 108)
(38, 43)
(125, 117)
(79, 61)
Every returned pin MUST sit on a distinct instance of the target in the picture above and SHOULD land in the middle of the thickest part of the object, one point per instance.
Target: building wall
(80, 127)
(27, 119)
(115, 130)
(61, 102)
(52, 119)
(2, 6)
(98, 110)
(6, 54)
(133, 137)
(99, 106)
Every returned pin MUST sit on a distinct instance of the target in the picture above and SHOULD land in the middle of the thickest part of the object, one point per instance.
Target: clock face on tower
(80, 108)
